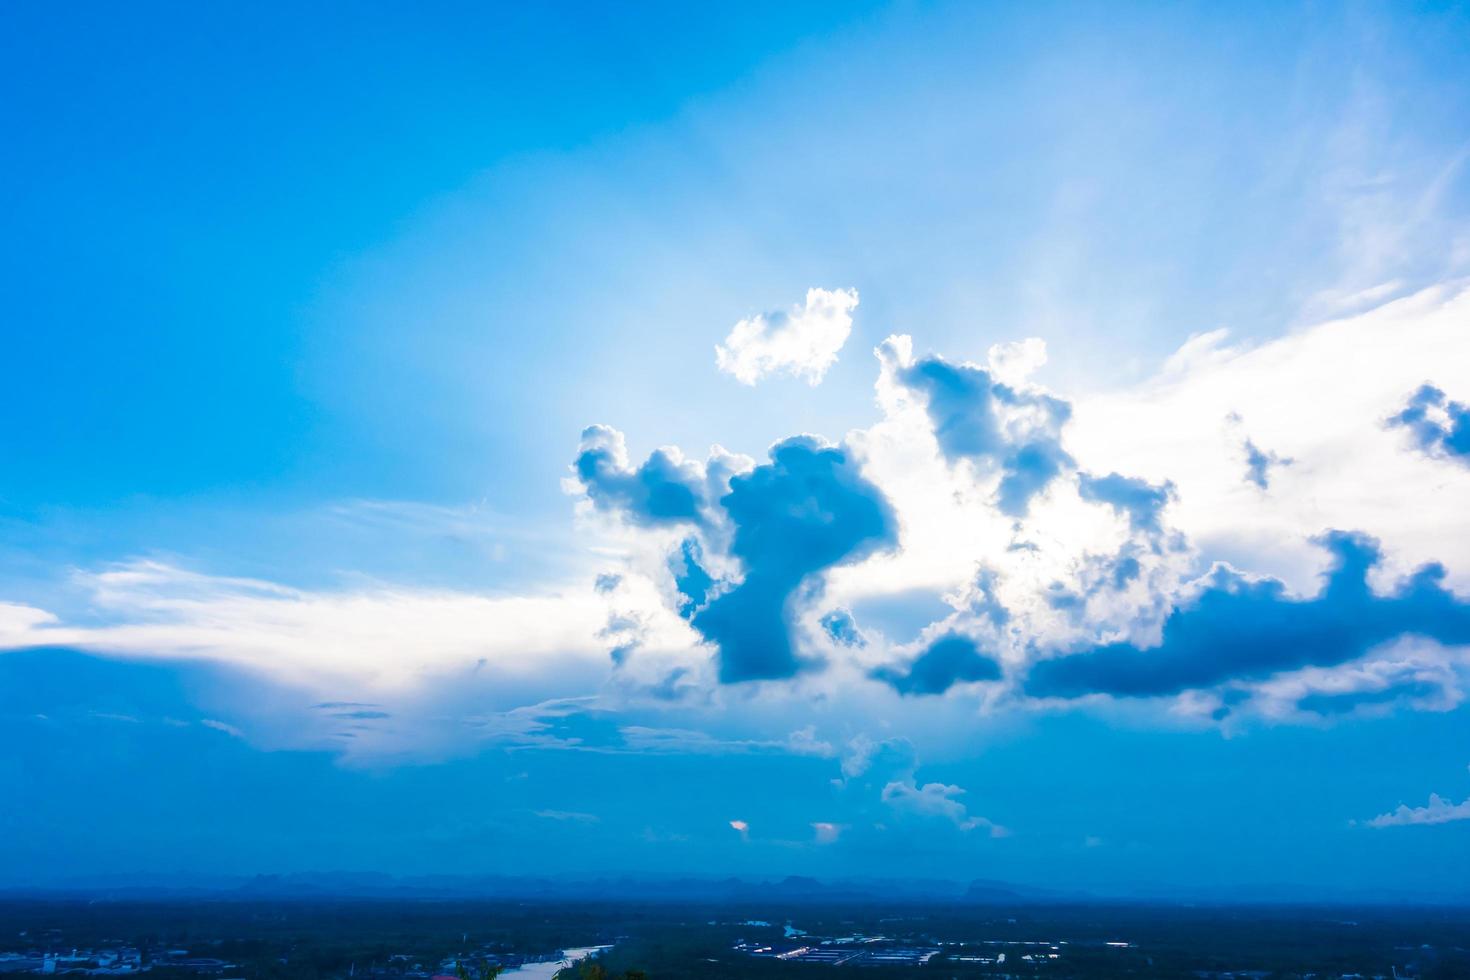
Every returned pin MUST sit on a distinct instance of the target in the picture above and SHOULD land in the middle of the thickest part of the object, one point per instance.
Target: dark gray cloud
(1236, 628)
(1439, 426)
(949, 660)
(806, 510)
(662, 491)
(1141, 502)
(693, 583)
(967, 408)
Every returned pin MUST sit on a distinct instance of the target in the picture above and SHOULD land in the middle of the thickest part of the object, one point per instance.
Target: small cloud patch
(1438, 810)
(1438, 426)
(800, 343)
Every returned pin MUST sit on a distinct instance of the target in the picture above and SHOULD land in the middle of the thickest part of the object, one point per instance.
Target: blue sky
(348, 352)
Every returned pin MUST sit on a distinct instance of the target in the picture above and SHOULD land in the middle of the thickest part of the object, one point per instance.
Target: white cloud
(334, 644)
(827, 833)
(18, 623)
(1438, 810)
(951, 529)
(221, 726)
(1013, 363)
(802, 343)
(1320, 396)
(936, 800)
(1410, 670)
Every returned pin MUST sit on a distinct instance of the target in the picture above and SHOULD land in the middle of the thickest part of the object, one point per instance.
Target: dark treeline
(388, 940)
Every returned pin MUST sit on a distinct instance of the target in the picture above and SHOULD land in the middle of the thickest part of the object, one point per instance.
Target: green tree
(483, 972)
(596, 971)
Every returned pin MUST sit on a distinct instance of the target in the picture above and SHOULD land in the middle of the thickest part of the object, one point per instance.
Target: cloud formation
(950, 660)
(361, 641)
(1012, 430)
(1140, 501)
(800, 343)
(1239, 628)
(1038, 547)
(1438, 810)
(1329, 704)
(1092, 588)
(1439, 426)
(665, 489)
(1319, 395)
(807, 510)
(936, 800)
(770, 529)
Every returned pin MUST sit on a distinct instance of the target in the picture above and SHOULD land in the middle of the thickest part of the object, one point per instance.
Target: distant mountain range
(748, 893)
(632, 888)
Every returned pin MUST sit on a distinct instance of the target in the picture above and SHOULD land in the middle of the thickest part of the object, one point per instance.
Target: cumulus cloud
(1438, 426)
(1091, 556)
(888, 769)
(1015, 431)
(1234, 627)
(801, 343)
(995, 498)
(1017, 526)
(775, 529)
(1438, 810)
(936, 800)
(664, 489)
(949, 660)
(761, 536)
(1142, 502)
(806, 510)
(1318, 395)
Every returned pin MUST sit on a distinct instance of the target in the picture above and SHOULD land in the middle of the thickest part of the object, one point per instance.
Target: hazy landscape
(772, 930)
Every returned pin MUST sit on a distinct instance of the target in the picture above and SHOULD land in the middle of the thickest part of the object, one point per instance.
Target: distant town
(123, 960)
(436, 939)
